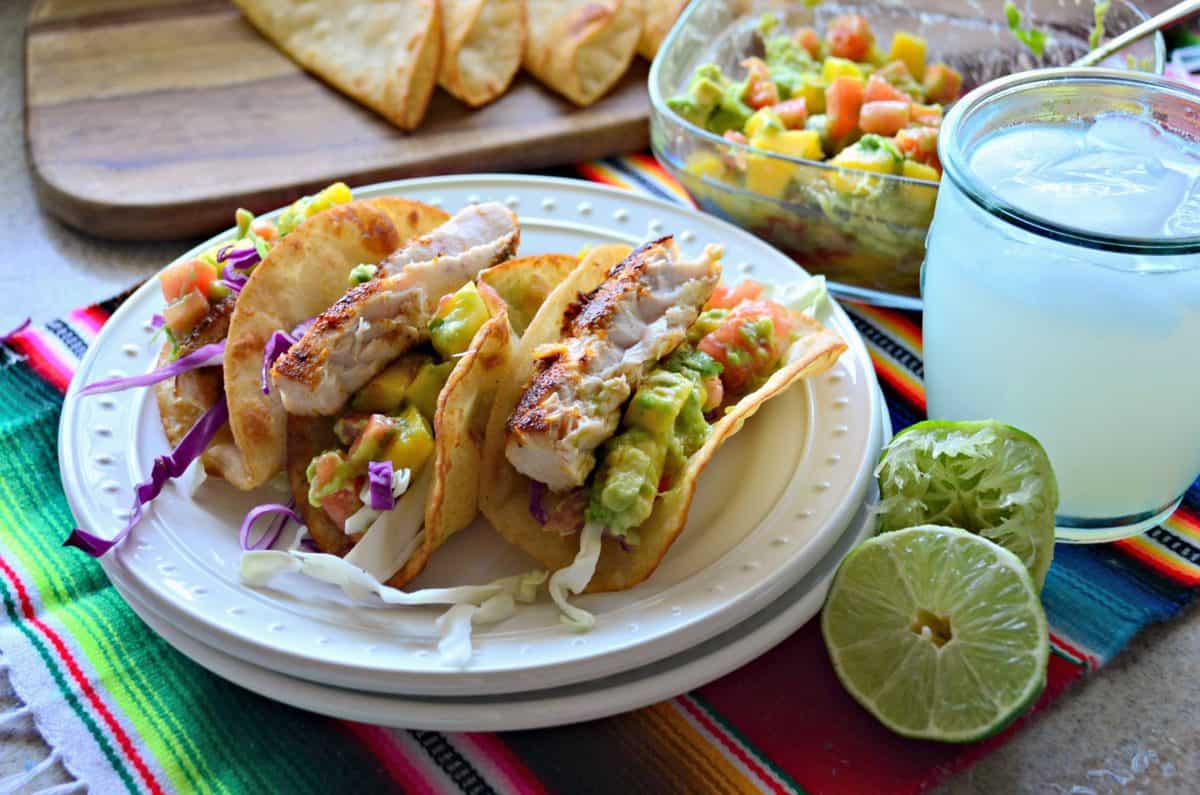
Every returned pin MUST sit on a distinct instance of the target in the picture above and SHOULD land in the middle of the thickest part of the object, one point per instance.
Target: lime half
(986, 477)
(937, 632)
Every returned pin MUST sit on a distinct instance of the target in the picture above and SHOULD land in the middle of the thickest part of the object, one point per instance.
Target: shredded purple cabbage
(379, 485)
(165, 468)
(8, 337)
(567, 517)
(157, 321)
(276, 526)
(232, 276)
(241, 259)
(204, 356)
(712, 415)
(302, 329)
(622, 542)
(276, 346)
(234, 286)
(537, 493)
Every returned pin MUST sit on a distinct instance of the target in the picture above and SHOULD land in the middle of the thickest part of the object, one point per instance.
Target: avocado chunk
(709, 321)
(626, 482)
(427, 385)
(327, 473)
(456, 320)
(658, 402)
(690, 110)
(387, 391)
(373, 442)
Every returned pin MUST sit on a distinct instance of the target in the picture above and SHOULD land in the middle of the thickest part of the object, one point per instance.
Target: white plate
(770, 507)
(600, 698)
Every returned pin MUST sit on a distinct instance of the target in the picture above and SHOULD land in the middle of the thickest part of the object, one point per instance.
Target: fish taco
(633, 373)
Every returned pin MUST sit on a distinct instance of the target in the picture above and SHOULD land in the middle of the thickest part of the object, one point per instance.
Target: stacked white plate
(776, 510)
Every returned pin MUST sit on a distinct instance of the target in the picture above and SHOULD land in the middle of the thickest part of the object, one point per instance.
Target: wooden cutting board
(155, 119)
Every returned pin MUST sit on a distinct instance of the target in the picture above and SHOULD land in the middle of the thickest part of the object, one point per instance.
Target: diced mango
(794, 143)
(834, 68)
(812, 89)
(768, 176)
(910, 50)
(915, 170)
(763, 120)
(705, 164)
(413, 443)
(386, 391)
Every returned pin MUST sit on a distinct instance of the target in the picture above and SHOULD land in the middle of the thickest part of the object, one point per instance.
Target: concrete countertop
(1135, 727)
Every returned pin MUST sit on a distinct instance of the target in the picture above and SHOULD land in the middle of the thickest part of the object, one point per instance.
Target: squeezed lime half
(985, 477)
(939, 633)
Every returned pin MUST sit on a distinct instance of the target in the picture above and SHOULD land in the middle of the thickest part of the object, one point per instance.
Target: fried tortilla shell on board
(524, 283)
(581, 48)
(483, 44)
(302, 275)
(382, 53)
(660, 16)
(463, 407)
(184, 398)
(504, 493)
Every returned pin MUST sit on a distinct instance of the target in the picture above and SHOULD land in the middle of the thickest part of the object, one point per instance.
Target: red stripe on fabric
(518, 776)
(596, 175)
(1187, 517)
(42, 359)
(81, 679)
(790, 706)
(93, 317)
(1160, 562)
(901, 322)
(1089, 659)
(898, 379)
(379, 741)
(730, 745)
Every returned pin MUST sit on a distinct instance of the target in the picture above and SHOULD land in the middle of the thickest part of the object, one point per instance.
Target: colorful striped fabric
(127, 713)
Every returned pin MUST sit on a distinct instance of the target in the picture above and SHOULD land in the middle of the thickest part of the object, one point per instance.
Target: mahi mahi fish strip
(612, 337)
(373, 323)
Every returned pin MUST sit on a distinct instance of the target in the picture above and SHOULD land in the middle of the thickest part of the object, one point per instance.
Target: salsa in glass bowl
(815, 125)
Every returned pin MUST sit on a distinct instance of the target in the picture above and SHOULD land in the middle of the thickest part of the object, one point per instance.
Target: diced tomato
(942, 84)
(714, 392)
(183, 277)
(182, 316)
(883, 118)
(920, 144)
(793, 113)
(880, 90)
(760, 91)
(925, 115)
(750, 341)
(265, 229)
(809, 40)
(849, 36)
(342, 504)
(736, 137)
(725, 297)
(843, 100)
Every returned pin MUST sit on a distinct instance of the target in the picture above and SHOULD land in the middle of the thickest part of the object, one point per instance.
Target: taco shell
(483, 44)
(459, 424)
(504, 492)
(302, 276)
(524, 283)
(382, 53)
(581, 48)
(660, 17)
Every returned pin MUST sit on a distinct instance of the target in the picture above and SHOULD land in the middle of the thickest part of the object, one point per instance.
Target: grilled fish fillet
(373, 323)
(612, 338)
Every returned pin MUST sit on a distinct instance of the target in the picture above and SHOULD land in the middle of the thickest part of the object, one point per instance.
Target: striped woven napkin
(125, 712)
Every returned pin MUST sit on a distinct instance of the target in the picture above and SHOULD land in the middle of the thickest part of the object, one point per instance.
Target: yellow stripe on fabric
(36, 558)
(1182, 527)
(688, 747)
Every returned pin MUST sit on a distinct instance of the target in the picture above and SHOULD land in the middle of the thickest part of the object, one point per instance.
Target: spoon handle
(1153, 24)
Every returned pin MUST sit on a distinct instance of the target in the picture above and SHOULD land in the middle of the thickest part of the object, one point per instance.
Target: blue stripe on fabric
(649, 185)
(1100, 599)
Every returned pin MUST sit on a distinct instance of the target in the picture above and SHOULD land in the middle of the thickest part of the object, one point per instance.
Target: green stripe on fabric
(240, 742)
(117, 762)
(760, 757)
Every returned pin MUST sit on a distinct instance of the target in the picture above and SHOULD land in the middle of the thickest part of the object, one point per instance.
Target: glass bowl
(864, 231)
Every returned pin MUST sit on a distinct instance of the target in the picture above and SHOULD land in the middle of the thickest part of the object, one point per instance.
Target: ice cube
(1124, 132)
(1109, 192)
(1185, 220)
(1020, 149)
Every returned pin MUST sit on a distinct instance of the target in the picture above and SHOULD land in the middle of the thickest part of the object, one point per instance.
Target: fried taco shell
(484, 41)
(581, 48)
(504, 492)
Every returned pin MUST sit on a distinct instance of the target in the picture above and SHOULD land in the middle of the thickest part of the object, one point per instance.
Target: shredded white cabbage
(575, 578)
(364, 517)
(488, 603)
(392, 536)
(808, 297)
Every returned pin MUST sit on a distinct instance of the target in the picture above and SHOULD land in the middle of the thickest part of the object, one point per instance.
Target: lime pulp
(985, 477)
(939, 633)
